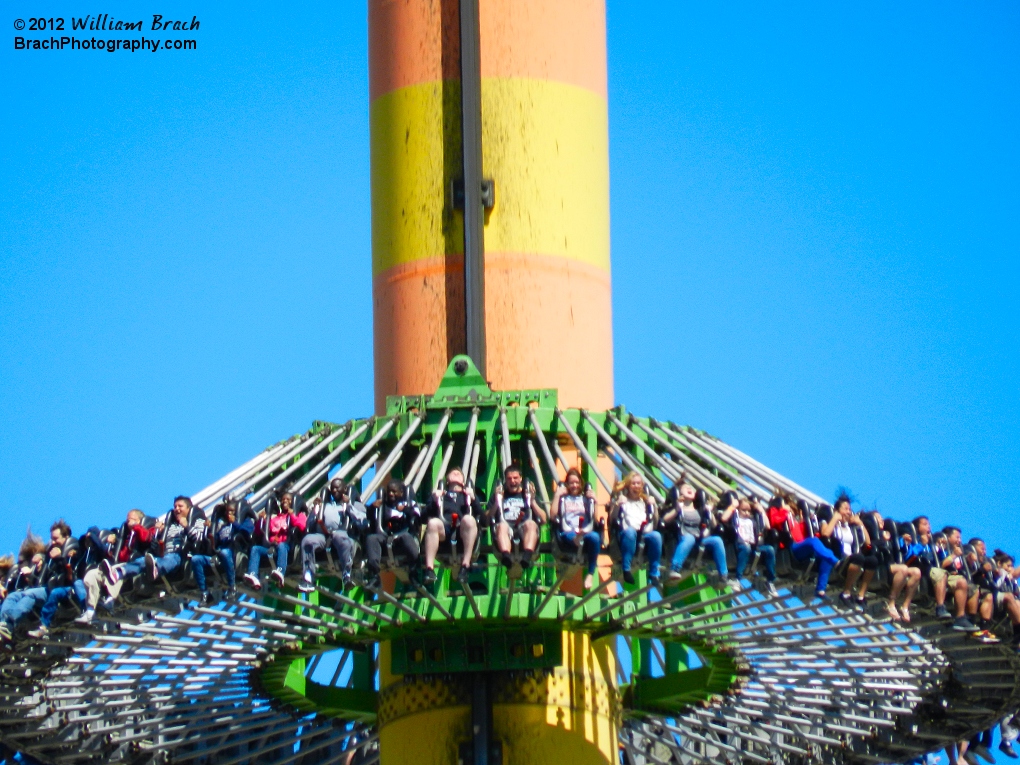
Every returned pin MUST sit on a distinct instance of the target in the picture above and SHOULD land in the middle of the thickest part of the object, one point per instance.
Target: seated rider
(856, 546)
(798, 526)
(223, 535)
(450, 508)
(694, 526)
(513, 511)
(54, 572)
(277, 529)
(128, 545)
(335, 521)
(634, 516)
(573, 513)
(58, 576)
(750, 524)
(905, 573)
(394, 516)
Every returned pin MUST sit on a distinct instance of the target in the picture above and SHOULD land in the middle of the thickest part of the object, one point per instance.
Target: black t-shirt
(516, 507)
(452, 503)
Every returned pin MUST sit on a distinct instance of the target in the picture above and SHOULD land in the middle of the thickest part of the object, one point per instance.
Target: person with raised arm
(515, 515)
(634, 516)
(689, 513)
(336, 521)
(393, 517)
(452, 510)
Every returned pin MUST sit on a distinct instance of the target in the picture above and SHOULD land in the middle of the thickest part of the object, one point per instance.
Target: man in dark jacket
(57, 574)
(396, 516)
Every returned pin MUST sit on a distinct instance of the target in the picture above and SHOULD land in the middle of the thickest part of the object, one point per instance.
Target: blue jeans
(168, 563)
(57, 596)
(591, 542)
(813, 547)
(688, 542)
(20, 604)
(257, 551)
(653, 549)
(200, 564)
(767, 552)
(132, 568)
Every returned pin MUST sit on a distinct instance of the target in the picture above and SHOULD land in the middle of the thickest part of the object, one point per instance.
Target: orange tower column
(545, 145)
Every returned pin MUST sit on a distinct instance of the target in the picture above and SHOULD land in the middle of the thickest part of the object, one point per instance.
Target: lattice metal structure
(702, 673)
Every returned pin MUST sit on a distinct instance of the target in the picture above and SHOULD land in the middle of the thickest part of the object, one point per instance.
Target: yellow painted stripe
(545, 144)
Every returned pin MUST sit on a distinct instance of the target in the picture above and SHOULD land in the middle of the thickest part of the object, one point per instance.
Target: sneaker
(941, 612)
(507, 561)
(984, 636)
(1007, 749)
(150, 567)
(277, 576)
(823, 596)
(374, 582)
(463, 574)
(108, 603)
(970, 759)
(345, 582)
(860, 602)
(230, 594)
(771, 590)
(307, 585)
(981, 751)
(963, 624)
(429, 576)
(628, 577)
(734, 584)
(206, 599)
(40, 632)
(845, 599)
(110, 572)
(86, 616)
(675, 574)
(253, 581)
(894, 613)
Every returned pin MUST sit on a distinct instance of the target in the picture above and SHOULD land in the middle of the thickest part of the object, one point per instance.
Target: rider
(513, 510)
(224, 532)
(278, 529)
(450, 508)
(575, 512)
(694, 523)
(335, 519)
(394, 515)
(750, 525)
(635, 516)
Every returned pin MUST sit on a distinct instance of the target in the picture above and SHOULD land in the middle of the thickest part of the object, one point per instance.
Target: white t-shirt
(745, 530)
(633, 514)
(572, 513)
(845, 537)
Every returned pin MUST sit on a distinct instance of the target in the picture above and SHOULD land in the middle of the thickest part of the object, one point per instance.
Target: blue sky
(814, 233)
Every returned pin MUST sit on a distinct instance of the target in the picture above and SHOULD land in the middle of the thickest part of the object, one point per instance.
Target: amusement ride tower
(493, 347)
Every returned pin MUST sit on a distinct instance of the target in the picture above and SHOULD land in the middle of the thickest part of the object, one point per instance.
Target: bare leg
(960, 598)
(899, 572)
(865, 581)
(852, 572)
(913, 580)
(529, 536)
(503, 538)
(940, 592)
(435, 532)
(468, 534)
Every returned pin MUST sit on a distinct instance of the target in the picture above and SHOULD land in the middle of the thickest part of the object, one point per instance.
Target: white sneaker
(307, 585)
(253, 580)
(86, 616)
(108, 603)
(770, 588)
(277, 576)
(40, 632)
(734, 584)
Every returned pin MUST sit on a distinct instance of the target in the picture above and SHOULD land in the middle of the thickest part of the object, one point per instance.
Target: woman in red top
(789, 517)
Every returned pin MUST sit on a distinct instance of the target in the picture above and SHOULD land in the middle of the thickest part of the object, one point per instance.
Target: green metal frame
(497, 626)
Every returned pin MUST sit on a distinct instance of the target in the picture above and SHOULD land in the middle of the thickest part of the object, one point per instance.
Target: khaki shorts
(938, 574)
(1000, 599)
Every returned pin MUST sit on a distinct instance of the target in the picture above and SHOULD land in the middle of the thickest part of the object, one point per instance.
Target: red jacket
(138, 536)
